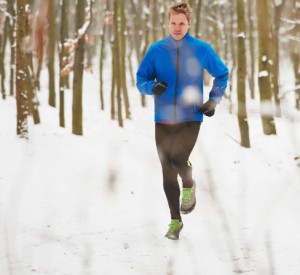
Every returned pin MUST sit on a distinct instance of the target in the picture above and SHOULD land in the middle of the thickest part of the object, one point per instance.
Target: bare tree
(262, 11)
(3, 38)
(21, 91)
(117, 58)
(81, 27)
(252, 60)
(78, 71)
(278, 6)
(107, 21)
(62, 57)
(51, 51)
(295, 49)
(241, 74)
(33, 102)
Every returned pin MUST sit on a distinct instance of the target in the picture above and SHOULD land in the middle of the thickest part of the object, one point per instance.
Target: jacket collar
(176, 43)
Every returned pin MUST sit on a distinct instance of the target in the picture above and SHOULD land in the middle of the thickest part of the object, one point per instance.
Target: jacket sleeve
(216, 67)
(146, 73)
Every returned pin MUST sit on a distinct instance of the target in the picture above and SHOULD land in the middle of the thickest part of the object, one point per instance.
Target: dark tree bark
(62, 55)
(3, 39)
(12, 22)
(117, 56)
(102, 54)
(21, 92)
(78, 72)
(51, 51)
(241, 74)
(252, 60)
(264, 67)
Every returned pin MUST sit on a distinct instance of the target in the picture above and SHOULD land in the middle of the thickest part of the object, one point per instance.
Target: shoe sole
(182, 211)
(174, 237)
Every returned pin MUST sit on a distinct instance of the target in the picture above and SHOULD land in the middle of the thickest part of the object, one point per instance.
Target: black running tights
(175, 143)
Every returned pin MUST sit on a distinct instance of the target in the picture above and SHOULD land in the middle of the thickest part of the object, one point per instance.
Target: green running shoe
(174, 229)
(188, 199)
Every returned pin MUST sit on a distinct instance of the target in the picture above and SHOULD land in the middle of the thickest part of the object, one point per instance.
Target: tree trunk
(21, 92)
(122, 48)
(11, 10)
(251, 75)
(146, 45)
(264, 67)
(198, 19)
(295, 51)
(78, 72)
(233, 56)
(102, 56)
(241, 74)
(275, 66)
(117, 57)
(113, 83)
(154, 18)
(3, 39)
(33, 102)
(63, 79)
(163, 18)
(51, 52)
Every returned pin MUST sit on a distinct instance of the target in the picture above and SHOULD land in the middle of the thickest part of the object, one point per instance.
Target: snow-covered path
(95, 204)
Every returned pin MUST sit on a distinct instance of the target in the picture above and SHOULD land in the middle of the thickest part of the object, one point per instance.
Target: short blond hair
(183, 8)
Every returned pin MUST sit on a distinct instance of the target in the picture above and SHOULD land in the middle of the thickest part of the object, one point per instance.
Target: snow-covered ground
(95, 204)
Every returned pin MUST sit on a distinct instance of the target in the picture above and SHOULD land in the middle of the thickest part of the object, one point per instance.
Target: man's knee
(181, 166)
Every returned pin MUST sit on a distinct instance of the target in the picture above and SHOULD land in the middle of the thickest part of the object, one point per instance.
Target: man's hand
(208, 108)
(159, 88)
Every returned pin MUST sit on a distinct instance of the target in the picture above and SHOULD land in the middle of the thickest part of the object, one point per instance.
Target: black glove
(208, 108)
(159, 88)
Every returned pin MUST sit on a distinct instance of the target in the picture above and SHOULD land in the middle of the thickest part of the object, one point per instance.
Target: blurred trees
(123, 31)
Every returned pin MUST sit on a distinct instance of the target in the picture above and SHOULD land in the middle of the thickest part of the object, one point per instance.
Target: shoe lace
(173, 226)
(186, 195)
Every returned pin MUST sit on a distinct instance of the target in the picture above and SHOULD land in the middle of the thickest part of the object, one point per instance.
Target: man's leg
(164, 136)
(186, 137)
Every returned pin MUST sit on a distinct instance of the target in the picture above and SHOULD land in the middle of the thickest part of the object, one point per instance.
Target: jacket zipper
(177, 80)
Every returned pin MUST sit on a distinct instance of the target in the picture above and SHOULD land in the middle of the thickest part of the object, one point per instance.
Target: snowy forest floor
(95, 204)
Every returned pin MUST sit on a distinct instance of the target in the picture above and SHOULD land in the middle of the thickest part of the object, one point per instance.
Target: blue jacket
(180, 64)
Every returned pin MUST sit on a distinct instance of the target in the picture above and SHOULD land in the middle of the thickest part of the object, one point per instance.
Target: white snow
(278, 3)
(242, 34)
(95, 204)
(83, 29)
(263, 74)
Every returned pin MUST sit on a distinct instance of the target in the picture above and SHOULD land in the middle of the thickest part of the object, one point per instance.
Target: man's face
(178, 26)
